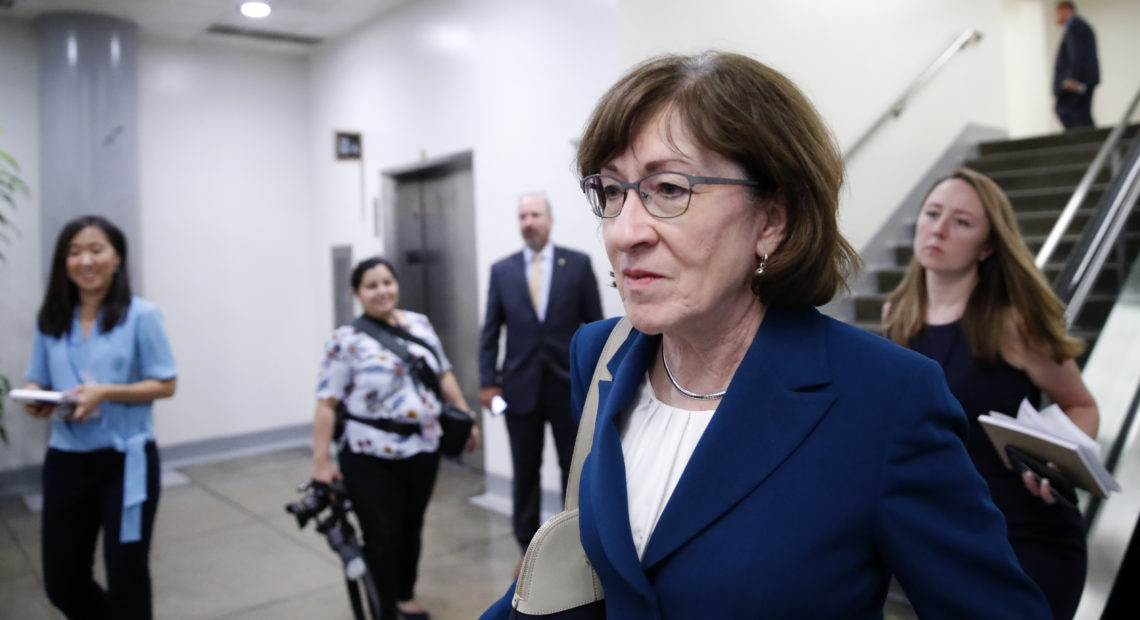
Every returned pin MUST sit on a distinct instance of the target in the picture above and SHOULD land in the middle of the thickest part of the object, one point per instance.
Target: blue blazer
(531, 345)
(835, 460)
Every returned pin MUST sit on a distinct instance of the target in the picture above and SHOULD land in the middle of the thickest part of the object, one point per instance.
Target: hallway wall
(242, 197)
(514, 82)
(1032, 41)
(1117, 26)
(854, 59)
(227, 216)
(21, 287)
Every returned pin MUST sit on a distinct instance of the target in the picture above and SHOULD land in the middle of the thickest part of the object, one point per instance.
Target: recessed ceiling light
(254, 9)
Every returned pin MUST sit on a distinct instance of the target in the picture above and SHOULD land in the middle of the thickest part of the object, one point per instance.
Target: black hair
(365, 265)
(62, 296)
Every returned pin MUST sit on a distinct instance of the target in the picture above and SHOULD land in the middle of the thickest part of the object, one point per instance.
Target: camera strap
(389, 336)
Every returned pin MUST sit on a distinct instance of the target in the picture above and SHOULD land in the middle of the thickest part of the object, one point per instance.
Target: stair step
(869, 308)
(1108, 282)
(903, 250)
(902, 253)
(1064, 245)
(1049, 198)
(1068, 175)
(1068, 138)
(1039, 175)
(1077, 154)
(1096, 309)
(1042, 222)
(1045, 199)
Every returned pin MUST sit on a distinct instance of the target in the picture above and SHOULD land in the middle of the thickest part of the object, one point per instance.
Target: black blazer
(1076, 57)
(531, 345)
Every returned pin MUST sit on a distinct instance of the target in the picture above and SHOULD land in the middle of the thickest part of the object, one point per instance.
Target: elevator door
(434, 253)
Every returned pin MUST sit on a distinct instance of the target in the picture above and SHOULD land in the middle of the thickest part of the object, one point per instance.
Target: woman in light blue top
(109, 352)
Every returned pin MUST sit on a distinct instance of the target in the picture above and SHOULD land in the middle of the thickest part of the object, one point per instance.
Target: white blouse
(657, 441)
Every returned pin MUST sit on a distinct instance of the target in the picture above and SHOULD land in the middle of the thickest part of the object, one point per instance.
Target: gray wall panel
(88, 125)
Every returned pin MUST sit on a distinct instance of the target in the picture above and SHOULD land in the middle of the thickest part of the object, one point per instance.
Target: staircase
(1039, 175)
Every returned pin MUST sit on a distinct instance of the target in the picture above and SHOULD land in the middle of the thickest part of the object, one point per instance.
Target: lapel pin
(561, 262)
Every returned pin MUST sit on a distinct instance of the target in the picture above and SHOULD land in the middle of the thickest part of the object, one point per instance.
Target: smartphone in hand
(1063, 489)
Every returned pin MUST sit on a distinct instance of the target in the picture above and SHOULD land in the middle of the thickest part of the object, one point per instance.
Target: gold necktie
(536, 281)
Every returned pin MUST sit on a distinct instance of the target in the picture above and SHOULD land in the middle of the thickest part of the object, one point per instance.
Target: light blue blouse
(135, 349)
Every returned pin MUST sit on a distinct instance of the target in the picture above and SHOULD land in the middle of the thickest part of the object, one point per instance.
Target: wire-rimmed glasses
(665, 194)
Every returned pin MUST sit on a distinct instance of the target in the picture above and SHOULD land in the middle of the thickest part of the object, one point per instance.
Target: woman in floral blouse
(389, 452)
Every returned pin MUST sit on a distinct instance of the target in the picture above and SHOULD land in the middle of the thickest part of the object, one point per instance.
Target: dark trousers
(1053, 553)
(390, 497)
(83, 493)
(526, 431)
(1075, 110)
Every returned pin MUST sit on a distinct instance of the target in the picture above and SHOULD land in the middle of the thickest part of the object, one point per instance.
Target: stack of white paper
(1051, 436)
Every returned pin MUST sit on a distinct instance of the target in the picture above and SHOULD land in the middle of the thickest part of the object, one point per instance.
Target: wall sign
(347, 145)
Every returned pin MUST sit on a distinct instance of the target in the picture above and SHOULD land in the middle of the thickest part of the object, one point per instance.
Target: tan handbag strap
(585, 439)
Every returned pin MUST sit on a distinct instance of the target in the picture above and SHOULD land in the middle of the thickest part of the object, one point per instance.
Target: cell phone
(1063, 489)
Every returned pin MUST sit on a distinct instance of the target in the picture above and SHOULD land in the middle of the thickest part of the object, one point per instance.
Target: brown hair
(1009, 283)
(754, 116)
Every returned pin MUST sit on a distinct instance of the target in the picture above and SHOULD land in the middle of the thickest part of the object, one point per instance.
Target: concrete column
(88, 125)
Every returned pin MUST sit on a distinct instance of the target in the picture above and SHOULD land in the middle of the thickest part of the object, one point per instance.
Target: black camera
(341, 537)
(317, 497)
(339, 533)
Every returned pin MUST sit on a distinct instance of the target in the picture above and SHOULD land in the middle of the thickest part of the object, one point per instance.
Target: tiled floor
(225, 548)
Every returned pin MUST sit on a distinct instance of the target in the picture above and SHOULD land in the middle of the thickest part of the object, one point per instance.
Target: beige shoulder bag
(556, 575)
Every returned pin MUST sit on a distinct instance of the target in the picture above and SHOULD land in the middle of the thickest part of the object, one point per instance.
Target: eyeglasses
(664, 194)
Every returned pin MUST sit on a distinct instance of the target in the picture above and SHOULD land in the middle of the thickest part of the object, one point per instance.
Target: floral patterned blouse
(374, 382)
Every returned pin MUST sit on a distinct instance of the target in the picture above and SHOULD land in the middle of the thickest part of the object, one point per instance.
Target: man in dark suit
(1076, 72)
(541, 295)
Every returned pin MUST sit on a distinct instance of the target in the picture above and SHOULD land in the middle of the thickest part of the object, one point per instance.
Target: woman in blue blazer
(751, 457)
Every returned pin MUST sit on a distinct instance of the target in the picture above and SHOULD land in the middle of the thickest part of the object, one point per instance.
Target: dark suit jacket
(531, 345)
(835, 459)
(1076, 57)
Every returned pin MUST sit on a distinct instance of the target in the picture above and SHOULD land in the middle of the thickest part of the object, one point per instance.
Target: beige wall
(1032, 38)
(1117, 27)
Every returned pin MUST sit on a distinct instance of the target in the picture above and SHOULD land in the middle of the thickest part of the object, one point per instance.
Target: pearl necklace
(696, 395)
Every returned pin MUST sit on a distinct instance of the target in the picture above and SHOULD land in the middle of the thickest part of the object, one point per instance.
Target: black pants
(83, 493)
(1075, 110)
(390, 498)
(1051, 545)
(526, 432)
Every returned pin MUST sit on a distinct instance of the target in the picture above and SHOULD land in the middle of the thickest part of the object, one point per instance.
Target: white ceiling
(188, 20)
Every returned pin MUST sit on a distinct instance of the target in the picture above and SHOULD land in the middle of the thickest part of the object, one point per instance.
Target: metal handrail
(1078, 197)
(1123, 199)
(967, 37)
